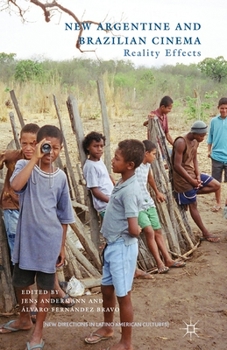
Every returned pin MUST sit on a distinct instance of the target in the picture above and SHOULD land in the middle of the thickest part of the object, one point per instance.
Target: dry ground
(184, 309)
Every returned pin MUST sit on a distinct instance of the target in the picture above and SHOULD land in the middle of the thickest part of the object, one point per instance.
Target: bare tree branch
(47, 8)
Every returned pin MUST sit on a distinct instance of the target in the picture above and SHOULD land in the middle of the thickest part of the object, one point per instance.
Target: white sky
(51, 40)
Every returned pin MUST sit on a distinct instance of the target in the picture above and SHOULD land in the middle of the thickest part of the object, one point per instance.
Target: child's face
(28, 142)
(150, 156)
(118, 163)
(166, 110)
(55, 151)
(95, 150)
(223, 110)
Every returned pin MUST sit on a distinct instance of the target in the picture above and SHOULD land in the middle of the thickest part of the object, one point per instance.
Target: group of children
(125, 208)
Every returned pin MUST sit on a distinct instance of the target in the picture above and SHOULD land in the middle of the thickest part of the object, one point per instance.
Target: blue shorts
(189, 197)
(119, 266)
(11, 217)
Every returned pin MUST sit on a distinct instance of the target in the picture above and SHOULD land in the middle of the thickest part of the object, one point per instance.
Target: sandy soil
(184, 309)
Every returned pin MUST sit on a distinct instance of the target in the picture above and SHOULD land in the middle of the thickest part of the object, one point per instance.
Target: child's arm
(20, 180)
(169, 138)
(62, 251)
(99, 195)
(159, 195)
(197, 172)
(133, 228)
(209, 147)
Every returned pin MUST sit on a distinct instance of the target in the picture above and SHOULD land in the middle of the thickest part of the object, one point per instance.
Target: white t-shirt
(142, 175)
(96, 175)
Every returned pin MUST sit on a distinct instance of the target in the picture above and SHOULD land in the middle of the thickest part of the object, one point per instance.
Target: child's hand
(60, 261)
(151, 115)
(38, 149)
(160, 197)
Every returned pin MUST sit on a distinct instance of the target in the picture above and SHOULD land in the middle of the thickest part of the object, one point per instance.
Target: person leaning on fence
(187, 179)
(9, 201)
(165, 107)
(120, 229)
(45, 212)
(96, 175)
(148, 216)
(217, 148)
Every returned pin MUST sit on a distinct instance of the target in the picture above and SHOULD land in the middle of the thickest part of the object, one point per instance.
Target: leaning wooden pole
(79, 134)
(105, 124)
(8, 299)
(67, 158)
(15, 134)
(16, 106)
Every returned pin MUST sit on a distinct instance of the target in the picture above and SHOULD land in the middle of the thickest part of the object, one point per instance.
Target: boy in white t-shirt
(98, 180)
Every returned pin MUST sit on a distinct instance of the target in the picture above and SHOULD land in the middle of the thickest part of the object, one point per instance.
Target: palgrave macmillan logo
(191, 329)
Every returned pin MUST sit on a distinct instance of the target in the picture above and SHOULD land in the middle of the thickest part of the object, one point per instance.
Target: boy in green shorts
(148, 216)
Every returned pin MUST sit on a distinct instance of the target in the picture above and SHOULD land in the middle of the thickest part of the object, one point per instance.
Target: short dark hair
(29, 128)
(51, 131)
(149, 146)
(166, 101)
(132, 151)
(92, 136)
(222, 101)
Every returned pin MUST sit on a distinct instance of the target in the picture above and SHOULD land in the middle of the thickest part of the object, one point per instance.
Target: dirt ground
(184, 309)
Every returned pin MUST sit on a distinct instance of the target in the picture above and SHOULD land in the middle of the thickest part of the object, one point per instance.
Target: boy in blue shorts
(148, 216)
(217, 148)
(120, 229)
(45, 212)
(187, 179)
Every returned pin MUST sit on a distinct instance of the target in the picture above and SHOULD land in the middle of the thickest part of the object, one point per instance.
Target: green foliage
(7, 64)
(126, 87)
(215, 68)
(200, 110)
(7, 58)
(28, 70)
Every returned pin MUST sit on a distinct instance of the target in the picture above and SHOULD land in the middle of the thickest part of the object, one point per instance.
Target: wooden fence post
(8, 298)
(105, 124)
(15, 134)
(16, 106)
(68, 162)
(79, 133)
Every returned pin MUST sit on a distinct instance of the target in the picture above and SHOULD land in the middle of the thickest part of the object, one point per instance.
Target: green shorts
(149, 217)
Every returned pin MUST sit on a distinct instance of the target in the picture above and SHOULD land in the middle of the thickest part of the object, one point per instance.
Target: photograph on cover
(123, 237)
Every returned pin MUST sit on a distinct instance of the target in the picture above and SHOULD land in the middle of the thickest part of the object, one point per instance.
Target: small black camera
(46, 148)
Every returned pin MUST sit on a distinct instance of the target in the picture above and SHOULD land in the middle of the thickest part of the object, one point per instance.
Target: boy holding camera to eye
(45, 212)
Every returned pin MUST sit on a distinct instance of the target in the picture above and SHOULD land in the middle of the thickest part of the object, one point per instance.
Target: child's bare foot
(210, 238)
(142, 274)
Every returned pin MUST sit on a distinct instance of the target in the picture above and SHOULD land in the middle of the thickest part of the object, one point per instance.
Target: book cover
(184, 308)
